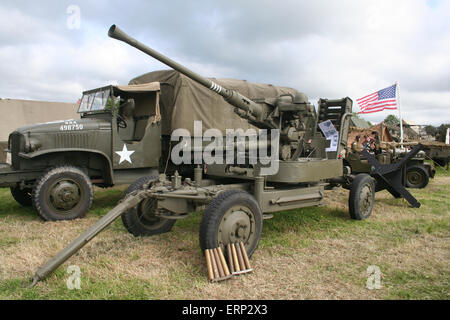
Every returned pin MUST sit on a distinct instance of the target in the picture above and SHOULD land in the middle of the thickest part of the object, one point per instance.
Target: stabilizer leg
(391, 175)
(129, 202)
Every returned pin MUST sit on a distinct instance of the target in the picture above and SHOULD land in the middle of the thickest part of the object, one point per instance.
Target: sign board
(331, 134)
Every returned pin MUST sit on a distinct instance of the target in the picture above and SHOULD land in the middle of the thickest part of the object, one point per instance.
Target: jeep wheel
(416, 177)
(362, 197)
(62, 193)
(233, 216)
(22, 196)
(142, 220)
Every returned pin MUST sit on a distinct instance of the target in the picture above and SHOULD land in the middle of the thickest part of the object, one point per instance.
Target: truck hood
(67, 125)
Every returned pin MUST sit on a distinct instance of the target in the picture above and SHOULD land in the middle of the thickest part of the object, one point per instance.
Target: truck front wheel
(62, 193)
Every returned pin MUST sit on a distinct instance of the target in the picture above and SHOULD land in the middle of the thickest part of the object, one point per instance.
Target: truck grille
(15, 144)
(75, 140)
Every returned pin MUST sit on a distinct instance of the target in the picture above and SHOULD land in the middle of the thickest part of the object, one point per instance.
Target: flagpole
(399, 112)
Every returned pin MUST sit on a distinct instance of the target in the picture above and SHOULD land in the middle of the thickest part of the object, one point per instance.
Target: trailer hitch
(390, 176)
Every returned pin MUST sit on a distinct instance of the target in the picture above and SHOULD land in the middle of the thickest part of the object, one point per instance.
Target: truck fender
(109, 179)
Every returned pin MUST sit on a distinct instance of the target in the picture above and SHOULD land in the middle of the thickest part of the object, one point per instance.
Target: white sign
(331, 134)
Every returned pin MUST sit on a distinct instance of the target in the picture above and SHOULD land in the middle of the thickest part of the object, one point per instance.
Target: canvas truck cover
(183, 101)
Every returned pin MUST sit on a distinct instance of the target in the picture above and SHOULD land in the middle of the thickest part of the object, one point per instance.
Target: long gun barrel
(251, 110)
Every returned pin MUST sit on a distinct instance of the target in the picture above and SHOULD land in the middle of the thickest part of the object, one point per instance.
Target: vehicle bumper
(10, 177)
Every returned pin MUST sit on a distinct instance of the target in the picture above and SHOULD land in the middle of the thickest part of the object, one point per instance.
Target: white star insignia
(125, 154)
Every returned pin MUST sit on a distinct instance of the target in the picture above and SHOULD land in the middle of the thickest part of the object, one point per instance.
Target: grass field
(312, 253)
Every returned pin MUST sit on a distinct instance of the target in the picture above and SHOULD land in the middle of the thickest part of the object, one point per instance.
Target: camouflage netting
(183, 100)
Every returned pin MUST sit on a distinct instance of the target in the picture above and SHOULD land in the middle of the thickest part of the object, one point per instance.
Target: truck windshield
(94, 101)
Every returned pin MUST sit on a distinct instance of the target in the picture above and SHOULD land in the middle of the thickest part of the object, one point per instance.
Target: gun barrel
(232, 97)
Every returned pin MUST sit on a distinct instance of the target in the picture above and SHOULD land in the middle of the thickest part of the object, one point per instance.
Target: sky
(54, 50)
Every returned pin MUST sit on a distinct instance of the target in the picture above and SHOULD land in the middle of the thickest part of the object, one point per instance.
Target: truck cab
(54, 166)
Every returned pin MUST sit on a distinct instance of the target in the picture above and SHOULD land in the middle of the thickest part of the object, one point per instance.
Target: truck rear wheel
(233, 216)
(22, 196)
(141, 220)
(362, 197)
(417, 177)
(62, 193)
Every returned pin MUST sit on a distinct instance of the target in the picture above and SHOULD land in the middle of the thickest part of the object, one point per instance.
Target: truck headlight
(33, 145)
(8, 158)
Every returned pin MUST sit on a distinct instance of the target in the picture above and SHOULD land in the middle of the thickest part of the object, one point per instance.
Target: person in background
(356, 145)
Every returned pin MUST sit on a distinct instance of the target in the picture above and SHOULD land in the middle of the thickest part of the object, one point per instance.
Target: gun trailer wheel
(142, 219)
(362, 197)
(417, 177)
(62, 193)
(233, 216)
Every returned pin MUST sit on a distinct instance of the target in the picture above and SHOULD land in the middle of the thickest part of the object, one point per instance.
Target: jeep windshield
(95, 100)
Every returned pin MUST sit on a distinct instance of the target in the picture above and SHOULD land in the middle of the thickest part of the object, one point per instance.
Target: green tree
(442, 131)
(430, 130)
(392, 120)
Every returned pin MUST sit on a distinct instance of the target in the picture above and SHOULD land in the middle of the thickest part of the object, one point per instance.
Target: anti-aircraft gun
(238, 196)
(292, 115)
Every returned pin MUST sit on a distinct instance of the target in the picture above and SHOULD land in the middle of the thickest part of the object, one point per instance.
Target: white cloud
(323, 48)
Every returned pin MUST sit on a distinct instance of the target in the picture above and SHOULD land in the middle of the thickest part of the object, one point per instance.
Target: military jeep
(53, 166)
(416, 173)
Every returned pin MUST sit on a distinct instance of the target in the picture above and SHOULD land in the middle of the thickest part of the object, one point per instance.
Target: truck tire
(417, 177)
(62, 193)
(362, 197)
(141, 220)
(22, 196)
(232, 216)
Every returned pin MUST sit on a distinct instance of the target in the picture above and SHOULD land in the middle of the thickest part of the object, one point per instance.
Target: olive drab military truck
(416, 173)
(122, 134)
(53, 166)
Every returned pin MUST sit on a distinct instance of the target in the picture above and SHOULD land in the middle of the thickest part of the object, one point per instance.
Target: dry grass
(313, 253)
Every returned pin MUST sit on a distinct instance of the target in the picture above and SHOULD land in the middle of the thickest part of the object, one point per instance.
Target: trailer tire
(362, 197)
(134, 220)
(417, 177)
(62, 193)
(22, 196)
(244, 221)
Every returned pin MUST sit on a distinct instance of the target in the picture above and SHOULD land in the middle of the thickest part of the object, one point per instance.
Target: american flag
(384, 99)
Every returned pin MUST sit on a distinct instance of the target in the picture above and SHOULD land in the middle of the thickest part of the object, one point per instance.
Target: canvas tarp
(18, 113)
(144, 87)
(183, 100)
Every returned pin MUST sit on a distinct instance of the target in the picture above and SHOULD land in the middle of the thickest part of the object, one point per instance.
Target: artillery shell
(230, 258)
(209, 266)
(219, 263)
(244, 255)
(214, 265)
(235, 258)
(240, 258)
(224, 263)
